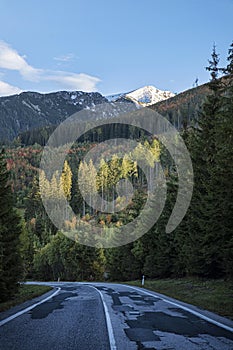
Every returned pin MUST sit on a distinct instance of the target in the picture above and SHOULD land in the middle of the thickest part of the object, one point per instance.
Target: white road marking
(108, 320)
(219, 324)
(12, 317)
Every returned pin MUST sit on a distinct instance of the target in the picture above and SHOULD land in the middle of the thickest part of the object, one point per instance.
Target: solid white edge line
(12, 317)
(108, 320)
(219, 324)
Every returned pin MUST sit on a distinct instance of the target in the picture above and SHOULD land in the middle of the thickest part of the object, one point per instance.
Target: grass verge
(212, 295)
(25, 292)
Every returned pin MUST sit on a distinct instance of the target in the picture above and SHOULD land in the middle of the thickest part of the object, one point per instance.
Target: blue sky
(110, 46)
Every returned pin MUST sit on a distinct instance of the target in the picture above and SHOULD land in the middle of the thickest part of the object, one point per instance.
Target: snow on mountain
(145, 96)
(148, 95)
(114, 97)
(31, 110)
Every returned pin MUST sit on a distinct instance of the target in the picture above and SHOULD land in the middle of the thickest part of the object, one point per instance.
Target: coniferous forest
(31, 247)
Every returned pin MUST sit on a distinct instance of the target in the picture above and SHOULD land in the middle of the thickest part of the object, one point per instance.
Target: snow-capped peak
(148, 95)
(145, 96)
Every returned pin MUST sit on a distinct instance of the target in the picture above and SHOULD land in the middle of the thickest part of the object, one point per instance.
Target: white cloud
(7, 89)
(10, 59)
(73, 81)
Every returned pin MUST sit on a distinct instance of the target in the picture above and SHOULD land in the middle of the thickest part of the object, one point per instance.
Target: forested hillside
(182, 109)
(185, 107)
(31, 110)
(202, 245)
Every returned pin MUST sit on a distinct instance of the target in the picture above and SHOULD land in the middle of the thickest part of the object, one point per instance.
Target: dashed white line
(12, 317)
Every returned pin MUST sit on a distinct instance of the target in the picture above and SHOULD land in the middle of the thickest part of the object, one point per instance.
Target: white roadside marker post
(143, 280)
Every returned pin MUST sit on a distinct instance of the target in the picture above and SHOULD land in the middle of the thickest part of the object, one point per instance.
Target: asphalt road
(103, 316)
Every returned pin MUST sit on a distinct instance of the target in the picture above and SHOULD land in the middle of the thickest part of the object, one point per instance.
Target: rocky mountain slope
(30, 110)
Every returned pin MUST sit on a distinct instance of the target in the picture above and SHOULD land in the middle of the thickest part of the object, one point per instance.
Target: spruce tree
(202, 252)
(223, 175)
(229, 68)
(219, 226)
(10, 229)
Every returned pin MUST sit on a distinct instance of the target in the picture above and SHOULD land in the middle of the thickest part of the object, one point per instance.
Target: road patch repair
(111, 316)
(152, 323)
(55, 303)
(29, 308)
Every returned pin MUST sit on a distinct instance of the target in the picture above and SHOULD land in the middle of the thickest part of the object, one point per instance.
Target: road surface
(102, 316)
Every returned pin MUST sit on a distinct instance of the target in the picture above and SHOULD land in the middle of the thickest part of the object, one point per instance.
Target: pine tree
(202, 256)
(122, 263)
(10, 229)
(229, 68)
(35, 211)
(222, 177)
(218, 240)
(158, 246)
(214, 70)
(27, 249)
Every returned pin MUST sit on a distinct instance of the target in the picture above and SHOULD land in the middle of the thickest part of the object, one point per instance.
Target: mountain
(148, 95)
(30, 110)
(114, 97)
(145, 96)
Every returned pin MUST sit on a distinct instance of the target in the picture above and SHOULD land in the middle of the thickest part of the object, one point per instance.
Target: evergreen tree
(10, 229)
(122, 264)
(229, 68)
(222, 176)
(69, 260)
(214, 70)
(35, 215)
(27, 249)
(202, 250)
(218, 201)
